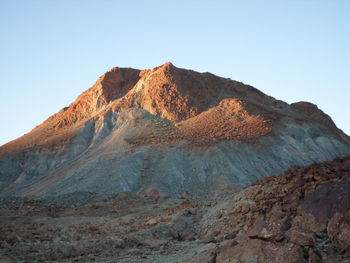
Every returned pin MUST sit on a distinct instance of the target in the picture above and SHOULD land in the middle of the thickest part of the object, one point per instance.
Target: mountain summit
(167, 128)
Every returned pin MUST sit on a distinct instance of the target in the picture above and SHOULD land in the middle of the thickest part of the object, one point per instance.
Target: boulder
(152, 192)
(339, 232)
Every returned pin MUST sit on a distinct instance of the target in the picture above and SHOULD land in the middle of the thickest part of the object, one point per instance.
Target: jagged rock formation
(302, 215)
(167, 128)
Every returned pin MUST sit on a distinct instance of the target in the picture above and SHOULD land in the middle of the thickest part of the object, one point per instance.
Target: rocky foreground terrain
(302, 215)
(168, 128)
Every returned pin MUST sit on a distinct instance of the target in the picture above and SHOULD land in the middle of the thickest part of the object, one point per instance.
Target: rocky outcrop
(299, 216)
(167, 128)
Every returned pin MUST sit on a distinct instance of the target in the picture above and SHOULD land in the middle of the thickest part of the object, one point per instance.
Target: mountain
(167, 128)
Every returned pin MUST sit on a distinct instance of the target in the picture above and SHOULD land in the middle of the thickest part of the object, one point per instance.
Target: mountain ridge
(113, 87)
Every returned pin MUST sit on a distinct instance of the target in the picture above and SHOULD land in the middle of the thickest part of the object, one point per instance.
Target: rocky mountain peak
(168, 128)
(112, 85)
(199, 103)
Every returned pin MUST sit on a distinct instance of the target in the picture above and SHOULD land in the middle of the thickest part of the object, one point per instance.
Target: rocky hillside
(301, 216)
(167, 128)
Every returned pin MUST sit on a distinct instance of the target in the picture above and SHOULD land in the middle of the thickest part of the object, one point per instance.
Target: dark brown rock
(329, 199)
(313, 257)
(339, 232)
(152, 192)
(301, 238)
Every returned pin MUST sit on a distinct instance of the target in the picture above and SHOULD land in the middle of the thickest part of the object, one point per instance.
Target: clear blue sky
(51, 51)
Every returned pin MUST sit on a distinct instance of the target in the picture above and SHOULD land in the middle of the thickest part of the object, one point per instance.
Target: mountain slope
(168, 128)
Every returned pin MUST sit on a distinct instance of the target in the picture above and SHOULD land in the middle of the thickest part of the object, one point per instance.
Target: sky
(51, 51)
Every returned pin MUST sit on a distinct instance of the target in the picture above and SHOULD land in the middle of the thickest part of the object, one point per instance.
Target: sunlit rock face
(166, 128)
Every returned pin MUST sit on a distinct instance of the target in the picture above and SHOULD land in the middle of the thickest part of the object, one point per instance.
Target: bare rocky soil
(302, 215)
